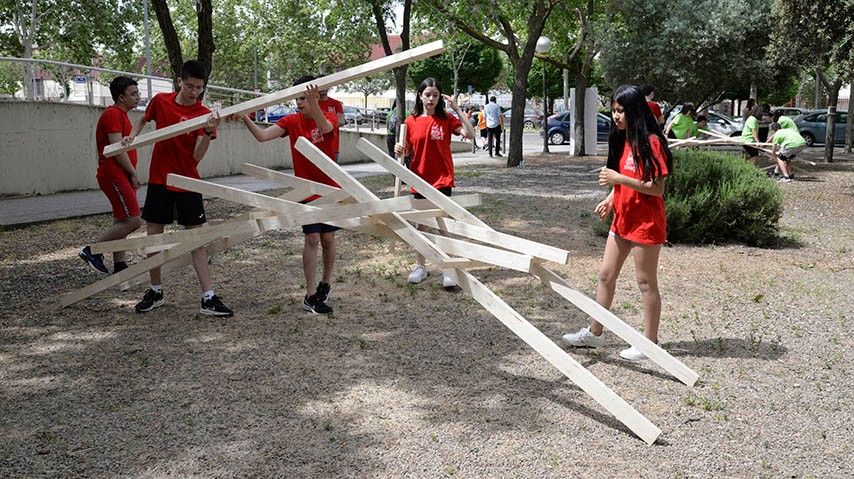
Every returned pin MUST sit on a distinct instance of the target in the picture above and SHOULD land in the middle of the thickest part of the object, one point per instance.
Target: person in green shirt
(784, 121)
(750, 133)
(786, 144)
(682, 123)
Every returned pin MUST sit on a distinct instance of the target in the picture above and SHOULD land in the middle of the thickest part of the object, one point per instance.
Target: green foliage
(714, 197)
(10, 78)
(477, 65)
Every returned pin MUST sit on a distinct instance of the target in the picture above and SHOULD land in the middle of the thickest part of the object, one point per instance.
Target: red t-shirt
(640, 217)
(298, 125)
(174, 155)
(430, 140)
(656, 110)
(113, 120)
(335, 107)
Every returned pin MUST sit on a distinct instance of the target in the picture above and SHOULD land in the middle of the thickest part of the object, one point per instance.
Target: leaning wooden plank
(148, 264)
(559, 358)
(484, 254)
(496, 238)
(324, 83)
(139, 242)
(284, 179)
(415, 181)
(616, 325)
(403, 229)
(472, 199)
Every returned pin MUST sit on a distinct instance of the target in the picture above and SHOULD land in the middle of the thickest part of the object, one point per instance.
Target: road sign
(80, 79)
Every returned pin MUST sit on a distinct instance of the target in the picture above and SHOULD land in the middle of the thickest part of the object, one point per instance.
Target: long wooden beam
(323, 83)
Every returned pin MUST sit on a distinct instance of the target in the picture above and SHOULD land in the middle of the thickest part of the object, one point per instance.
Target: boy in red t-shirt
(320, 127)
(648, 91)
(180, 155)
(117, 176)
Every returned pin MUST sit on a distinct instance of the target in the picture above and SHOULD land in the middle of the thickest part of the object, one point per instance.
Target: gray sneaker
(585, 339)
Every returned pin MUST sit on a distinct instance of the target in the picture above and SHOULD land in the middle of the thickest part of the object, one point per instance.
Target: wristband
(209, 133)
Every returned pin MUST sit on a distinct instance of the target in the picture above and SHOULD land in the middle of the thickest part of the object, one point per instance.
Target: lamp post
(543, 47)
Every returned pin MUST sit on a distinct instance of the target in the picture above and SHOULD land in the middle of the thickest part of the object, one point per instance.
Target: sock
(156, 288)
(209, 294)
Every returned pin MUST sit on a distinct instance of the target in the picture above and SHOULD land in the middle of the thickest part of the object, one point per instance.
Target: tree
(520, 23)
(817, 36)
(204, 35)
(76, 31)
(368, 86)
(462, 64)
(691, 50)
(382, 11)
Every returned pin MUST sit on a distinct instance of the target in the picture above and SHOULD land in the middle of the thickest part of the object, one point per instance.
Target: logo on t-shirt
(630, 162)
(316, 136)
(437, 132)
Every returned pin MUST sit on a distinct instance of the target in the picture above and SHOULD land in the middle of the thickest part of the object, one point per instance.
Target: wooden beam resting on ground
(559, 358)
(481, 253)
(616, 325)
(323, 83)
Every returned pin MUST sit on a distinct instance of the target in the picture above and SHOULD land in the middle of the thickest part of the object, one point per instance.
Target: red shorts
(122, 197)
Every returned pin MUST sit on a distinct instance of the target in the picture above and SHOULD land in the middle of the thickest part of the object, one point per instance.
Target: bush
(715, 197)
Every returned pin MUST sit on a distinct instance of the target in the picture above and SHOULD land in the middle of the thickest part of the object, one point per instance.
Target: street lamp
(543, 47)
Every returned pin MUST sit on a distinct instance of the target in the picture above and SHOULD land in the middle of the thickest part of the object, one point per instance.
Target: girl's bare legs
(646, 264)
(616, 252)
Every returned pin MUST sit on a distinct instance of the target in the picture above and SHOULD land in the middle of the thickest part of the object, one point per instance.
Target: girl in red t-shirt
(428, 139)
(638, 162)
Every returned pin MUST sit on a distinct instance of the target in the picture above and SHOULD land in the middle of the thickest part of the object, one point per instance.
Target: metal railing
(71, 75)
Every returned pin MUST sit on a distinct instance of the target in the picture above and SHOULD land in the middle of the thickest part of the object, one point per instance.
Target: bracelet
(209, 133)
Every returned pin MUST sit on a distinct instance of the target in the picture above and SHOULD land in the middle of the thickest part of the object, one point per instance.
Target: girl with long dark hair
(638, 162)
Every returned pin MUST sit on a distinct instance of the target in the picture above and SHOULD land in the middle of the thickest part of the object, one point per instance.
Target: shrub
(714, 197)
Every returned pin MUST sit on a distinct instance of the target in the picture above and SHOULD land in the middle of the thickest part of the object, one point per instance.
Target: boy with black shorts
(179, 155)
(319, 127)
(117, 176)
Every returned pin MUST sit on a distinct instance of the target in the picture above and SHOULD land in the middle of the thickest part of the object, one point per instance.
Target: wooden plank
(284, 179)
(425, 189)
(323, 83)
(496, 238)
(616, 325)
(394, 221)
(400, 159)
(481, 253)
(149, 263)
(559, 358)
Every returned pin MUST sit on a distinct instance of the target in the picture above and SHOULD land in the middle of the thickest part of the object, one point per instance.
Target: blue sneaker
(95, 261)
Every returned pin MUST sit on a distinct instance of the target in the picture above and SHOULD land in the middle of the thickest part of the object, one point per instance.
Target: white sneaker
(448, 282)
(585, 339)
(418, 274)
(632, 354)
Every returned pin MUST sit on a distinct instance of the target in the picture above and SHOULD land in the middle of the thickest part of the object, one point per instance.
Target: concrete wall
(50, 147)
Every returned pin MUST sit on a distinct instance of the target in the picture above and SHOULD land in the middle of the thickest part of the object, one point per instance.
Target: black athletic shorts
(447, 191)
(162, 204)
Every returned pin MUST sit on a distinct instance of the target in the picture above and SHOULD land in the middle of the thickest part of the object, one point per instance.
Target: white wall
(50, 147)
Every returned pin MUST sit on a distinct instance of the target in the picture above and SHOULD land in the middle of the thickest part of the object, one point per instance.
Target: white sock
(156, 288)
(208, 294)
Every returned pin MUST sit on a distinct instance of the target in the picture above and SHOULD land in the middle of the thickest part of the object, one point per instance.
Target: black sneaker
(323, 290)
(316, 306)
(95, 261)
(150, 301)
(214, 307)
(119, 267)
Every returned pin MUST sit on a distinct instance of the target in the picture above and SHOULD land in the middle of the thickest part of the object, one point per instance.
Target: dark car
(560, 125)
(381, 114)
(813, 126)
(277, 112)
(533, 118)
(789, 111)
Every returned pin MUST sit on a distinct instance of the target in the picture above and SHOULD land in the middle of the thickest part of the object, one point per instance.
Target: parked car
(560, 125)
(381, 114)
(352, 115)
(813, 126)
(276, 112)
(533, 117)
(789, 111)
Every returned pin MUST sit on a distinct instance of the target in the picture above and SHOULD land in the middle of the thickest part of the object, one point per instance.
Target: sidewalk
(17, 212)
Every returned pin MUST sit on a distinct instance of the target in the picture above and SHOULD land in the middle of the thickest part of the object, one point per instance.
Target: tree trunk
(204, 14)
(170, 38)
(849, 125)
(578, 123)
(831, 120)
(517, 119)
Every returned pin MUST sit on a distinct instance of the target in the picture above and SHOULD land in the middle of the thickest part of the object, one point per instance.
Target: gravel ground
(417, 382)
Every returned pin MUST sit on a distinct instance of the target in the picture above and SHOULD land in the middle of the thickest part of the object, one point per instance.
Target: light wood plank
(324, 83)
(481, 253)
(616, 325)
